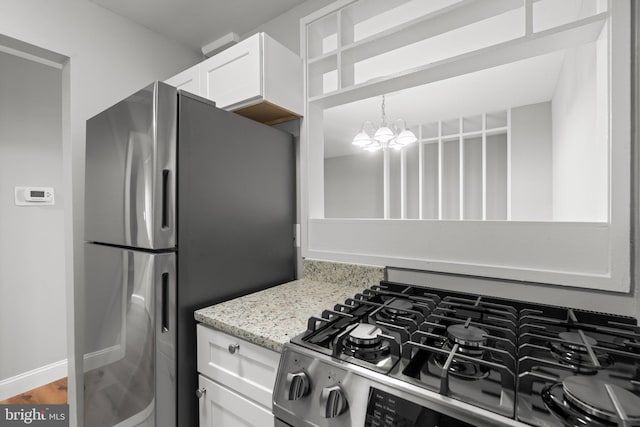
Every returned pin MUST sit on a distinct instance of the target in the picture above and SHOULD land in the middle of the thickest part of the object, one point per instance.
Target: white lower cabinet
(221, 407)
(236, 380)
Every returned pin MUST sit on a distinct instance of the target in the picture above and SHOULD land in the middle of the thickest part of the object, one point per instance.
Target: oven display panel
(387, 410)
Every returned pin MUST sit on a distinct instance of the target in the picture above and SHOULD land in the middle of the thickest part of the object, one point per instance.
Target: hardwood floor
(52, 393)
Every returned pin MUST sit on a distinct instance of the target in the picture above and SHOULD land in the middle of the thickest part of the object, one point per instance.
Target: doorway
(33, 260)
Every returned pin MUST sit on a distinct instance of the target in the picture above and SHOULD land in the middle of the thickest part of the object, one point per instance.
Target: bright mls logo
(34, 415)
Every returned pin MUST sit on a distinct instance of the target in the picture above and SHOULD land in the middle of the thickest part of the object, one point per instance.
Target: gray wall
(531, 163)
(32, 277)
(353, 186)
(286, 27)
(580, 135)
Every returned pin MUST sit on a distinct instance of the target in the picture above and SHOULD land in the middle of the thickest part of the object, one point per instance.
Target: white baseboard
(138, 420)
(32, 379)
(103, 357)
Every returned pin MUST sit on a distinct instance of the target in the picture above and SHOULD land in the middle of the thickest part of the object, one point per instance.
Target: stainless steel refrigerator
(187, 205)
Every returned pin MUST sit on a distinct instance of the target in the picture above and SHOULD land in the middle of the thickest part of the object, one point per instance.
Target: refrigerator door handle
(165, 198)
(164, 304)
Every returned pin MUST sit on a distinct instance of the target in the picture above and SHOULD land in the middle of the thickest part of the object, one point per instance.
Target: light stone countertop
(270, 318)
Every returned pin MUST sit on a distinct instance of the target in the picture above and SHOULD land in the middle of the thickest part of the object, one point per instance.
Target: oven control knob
(333, 401)
(298, 385)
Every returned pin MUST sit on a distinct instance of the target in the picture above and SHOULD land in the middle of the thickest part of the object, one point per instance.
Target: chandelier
(383, 137)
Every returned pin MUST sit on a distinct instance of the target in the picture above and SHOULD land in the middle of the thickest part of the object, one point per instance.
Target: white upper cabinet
(257, 78)
(188, 80)
(234, 77)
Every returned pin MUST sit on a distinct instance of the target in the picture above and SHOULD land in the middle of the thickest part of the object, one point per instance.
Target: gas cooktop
(401, 355)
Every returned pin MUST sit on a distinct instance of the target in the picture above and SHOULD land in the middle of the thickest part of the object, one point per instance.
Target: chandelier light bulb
(361, 139)
(383, 135)
(406, 137)
(373, 147)
(395, 145)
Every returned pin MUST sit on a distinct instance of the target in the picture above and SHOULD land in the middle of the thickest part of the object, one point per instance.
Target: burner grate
(555, 351)
(487, 381)
(507, 357)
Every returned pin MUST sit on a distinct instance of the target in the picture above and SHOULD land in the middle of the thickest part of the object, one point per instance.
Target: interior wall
(110, 58)
(580, 142)
(286, 27)
(395, 183)
(531, 162)
(32, 276)
(353, 186)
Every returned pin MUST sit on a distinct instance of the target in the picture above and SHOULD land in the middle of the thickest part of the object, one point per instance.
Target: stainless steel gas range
(402, 355)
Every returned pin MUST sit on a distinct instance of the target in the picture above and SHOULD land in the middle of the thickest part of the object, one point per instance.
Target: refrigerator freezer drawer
(130, 171)
(129, 337)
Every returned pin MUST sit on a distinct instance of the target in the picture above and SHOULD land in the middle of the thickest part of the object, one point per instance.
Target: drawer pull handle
(201, 392)
(233, 348)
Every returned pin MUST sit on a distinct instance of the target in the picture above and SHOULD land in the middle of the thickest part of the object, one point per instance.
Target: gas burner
(398, 307)
(365, 335)
(573, 352)
(470, 339)
(464, 369)
(467, 336)
(365, 342)
(587, 401)
(574, 341)
(401, 312)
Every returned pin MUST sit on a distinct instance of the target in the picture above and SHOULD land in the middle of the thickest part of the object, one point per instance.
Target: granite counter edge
(239, 332)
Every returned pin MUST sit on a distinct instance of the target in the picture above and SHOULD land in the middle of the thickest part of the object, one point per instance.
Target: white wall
(32, 277)
(110, 57)
(531, 163)
(353, 186)
(580, 141)
(286, 27)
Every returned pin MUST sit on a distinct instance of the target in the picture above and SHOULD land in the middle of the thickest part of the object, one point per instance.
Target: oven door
(280, 423)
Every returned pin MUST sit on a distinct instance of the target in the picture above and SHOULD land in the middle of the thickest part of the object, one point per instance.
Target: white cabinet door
(240, 365)
(234, 75)
(188, 80)
(282, 79)
(257, 78)
(220, 406)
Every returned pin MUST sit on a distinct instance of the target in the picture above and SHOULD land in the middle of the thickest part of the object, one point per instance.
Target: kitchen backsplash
(333, 272)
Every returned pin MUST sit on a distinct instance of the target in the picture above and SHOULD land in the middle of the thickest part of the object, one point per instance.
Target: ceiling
(195, 23)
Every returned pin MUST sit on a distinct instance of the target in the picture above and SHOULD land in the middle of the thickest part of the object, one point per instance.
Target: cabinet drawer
(250, 369)
(222, 407)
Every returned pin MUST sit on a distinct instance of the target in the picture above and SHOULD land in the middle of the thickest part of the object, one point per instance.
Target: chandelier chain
(384, 115)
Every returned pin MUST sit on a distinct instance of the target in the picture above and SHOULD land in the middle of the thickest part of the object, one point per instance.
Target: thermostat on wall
(34, 196)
